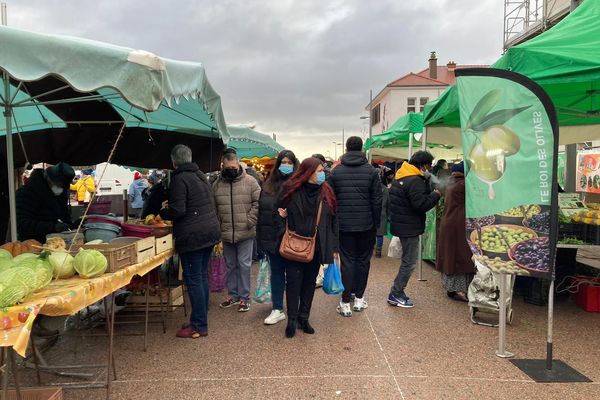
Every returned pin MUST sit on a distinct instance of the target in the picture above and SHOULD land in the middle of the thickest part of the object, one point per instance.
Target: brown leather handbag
(299, 248)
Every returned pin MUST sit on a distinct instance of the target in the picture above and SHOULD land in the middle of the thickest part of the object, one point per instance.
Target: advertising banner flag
(510, 142)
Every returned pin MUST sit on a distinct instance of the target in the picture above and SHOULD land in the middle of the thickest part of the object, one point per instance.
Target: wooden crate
(145, 249)
(154, 301)
(164, 243)
(119, 256)
(48, 393)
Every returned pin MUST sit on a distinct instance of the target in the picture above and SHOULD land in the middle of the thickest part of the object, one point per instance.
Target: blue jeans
(278, 265)
(410, 254)
(379, 241)
(195, 276)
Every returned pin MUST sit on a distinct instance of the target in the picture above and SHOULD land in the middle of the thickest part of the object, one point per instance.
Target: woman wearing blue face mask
(302, 196)
(267, 236)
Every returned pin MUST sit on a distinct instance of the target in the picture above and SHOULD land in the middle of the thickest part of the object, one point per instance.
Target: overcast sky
(301, 69)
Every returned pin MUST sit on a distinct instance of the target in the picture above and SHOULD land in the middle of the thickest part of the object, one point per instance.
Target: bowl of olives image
(497, 240)
(516, 215)
(540, 223)
(532, 254)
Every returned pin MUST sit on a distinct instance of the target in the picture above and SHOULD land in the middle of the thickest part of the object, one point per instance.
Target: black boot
(305, 326)
(290, 331)
(378, 252)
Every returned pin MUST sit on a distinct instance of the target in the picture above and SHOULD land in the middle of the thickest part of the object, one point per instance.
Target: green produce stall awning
(564, 60)
(70, 96)
(250, 144)
(399, 133)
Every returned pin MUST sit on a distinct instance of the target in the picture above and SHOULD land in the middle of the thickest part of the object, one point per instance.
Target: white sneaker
(360, 304)
(275, 317)
(344, 309)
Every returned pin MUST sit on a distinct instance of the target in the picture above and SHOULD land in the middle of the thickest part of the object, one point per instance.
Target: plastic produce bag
(262, 294)
(395, 249)
(217, 271)
(332, 283)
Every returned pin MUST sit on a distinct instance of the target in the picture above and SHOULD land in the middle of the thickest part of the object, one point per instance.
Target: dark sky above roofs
(301, 69)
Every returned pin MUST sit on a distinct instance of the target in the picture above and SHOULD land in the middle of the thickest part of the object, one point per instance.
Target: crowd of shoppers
(346, 209)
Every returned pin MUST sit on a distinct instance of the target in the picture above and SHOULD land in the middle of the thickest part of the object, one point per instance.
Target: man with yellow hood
(410, 199)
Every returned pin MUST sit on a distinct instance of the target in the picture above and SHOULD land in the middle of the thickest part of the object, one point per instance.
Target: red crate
(588, 296)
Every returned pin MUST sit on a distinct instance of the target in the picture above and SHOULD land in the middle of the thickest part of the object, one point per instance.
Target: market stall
(113, 105)
(256, 149)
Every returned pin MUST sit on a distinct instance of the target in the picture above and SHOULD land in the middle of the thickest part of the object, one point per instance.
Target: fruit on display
(90, 263)
(62, 264)
(55, 244)
(154, 220)
(590, 217)
(17, 248)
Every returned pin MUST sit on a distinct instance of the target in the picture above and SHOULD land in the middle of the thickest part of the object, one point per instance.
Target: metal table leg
(110, 360)
(13, 364)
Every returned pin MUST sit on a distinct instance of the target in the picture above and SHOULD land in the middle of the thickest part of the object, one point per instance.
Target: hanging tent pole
(10, 167)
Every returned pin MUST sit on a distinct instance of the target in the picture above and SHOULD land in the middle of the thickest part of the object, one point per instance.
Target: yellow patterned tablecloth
(65, 297)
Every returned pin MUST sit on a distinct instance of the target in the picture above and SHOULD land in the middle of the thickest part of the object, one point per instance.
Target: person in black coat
(357, 188)
(155, 195)
(196, 230)
(43, 203)
(410, 199)
(299, 204)
(269, 233)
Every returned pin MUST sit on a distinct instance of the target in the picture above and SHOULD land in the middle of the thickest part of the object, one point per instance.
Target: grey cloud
(302, 69)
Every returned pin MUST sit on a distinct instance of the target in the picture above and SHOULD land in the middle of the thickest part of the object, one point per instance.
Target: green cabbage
(11, 295)
(5, 254)
(62, 263)
(20, 276)
(6, 263)
(90, 263)
(22, 257)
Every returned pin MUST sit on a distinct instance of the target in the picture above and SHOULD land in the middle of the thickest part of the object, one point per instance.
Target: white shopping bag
(395, 249)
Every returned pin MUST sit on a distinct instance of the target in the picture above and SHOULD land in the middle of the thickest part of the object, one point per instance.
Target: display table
(586, 254)
(66, 297)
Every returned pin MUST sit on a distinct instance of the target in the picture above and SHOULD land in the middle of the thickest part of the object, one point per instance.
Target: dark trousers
(278, 265)
(356, 250)
(301, 279)
(195, 276)
(410, 255)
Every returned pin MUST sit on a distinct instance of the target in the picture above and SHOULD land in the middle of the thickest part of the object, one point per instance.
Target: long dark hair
(301, 177)
(276, 179)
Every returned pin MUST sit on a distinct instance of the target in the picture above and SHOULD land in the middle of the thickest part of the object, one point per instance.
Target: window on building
(422, 102)
(375, 115)
(412, 104)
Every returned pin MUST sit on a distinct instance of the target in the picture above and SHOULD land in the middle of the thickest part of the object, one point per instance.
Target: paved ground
(431, 351)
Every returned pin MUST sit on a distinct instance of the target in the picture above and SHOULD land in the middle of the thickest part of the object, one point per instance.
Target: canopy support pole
(10, 164)
(410, 153)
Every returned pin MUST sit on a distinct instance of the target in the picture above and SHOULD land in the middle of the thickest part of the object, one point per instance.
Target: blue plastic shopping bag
(332, 283)
(262, 294)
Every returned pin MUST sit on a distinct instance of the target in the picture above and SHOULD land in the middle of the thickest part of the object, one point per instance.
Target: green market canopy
(394, 143)
(69, 98)
(564, 60)
(252, 144)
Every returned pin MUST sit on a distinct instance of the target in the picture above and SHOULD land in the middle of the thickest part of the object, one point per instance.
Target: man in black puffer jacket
(358, 191)
(196, 229)
(410, 199)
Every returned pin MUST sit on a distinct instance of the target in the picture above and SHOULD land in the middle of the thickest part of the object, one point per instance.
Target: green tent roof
(398, 133)
(565, 61)
(250, 143)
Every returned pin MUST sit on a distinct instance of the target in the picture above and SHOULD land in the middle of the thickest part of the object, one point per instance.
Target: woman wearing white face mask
(267, 236)
(303, 195)
(43, 203)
